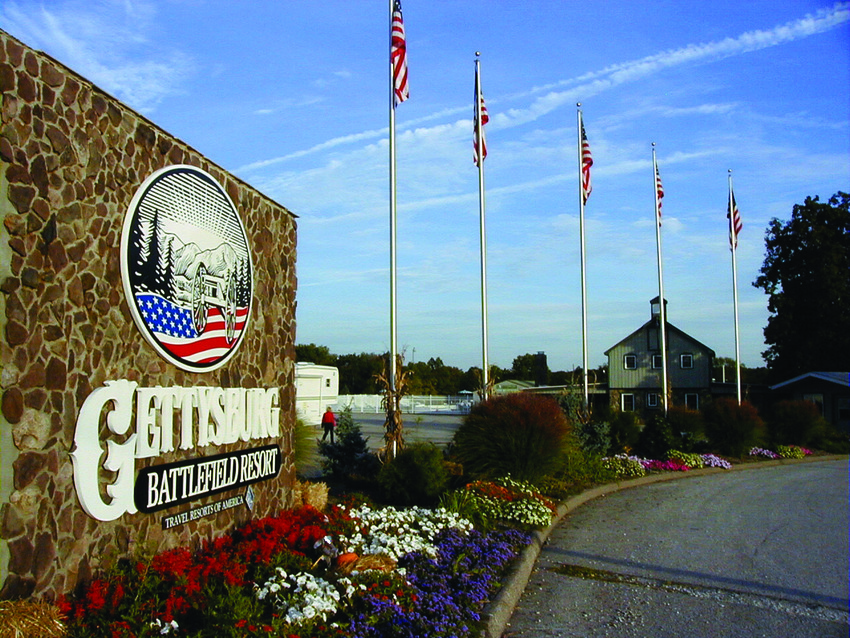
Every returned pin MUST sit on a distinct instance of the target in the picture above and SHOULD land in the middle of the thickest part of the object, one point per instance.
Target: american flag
(174, 329)
(480, 108)
(586, 163)
(734, 217)
(398, 56)
(659, 192)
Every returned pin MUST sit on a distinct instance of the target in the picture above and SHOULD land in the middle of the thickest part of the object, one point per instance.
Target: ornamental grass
(521, 434)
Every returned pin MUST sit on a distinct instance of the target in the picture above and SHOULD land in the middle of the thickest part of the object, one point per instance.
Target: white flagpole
(662, 305)
(485, 372)
(733, 244)
(583, 264)
(393, 291)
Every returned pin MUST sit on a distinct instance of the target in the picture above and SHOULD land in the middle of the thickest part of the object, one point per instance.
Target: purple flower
(712, 460)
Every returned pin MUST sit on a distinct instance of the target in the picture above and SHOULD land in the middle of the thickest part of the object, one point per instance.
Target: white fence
(410, 404)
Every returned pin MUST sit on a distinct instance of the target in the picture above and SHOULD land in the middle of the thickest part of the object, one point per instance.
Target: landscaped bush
(594, 436)
(656, 438)
(687, 427)
(416, 476)
(520, 434)
(830, 439)
(348, 456)
(592, 432)
(732, 429)
(794, 423)
(578, 468)
(625, 428)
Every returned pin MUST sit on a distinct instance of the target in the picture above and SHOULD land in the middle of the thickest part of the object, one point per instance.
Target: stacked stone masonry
(71, 159)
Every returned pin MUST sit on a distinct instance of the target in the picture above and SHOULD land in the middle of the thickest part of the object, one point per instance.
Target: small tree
(349, 455)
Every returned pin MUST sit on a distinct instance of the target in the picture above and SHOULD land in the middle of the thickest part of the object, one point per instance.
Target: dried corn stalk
(391, 402)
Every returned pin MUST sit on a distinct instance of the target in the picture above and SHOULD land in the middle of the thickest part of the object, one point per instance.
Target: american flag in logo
(659, 192)
(398, 56)
(481, 109)
(586, 163)
(734, 217)
(173, 328)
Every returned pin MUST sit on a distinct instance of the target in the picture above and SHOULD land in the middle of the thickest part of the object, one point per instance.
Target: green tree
(805, 274)
(358, 372)
(530, 367)
(311, 353)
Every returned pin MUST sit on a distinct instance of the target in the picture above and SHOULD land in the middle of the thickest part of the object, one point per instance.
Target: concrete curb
(498, 612)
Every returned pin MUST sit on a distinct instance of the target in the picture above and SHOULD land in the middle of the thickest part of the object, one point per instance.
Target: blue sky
(292, 96)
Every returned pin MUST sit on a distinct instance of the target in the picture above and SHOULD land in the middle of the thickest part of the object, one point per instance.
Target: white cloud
(102, 41)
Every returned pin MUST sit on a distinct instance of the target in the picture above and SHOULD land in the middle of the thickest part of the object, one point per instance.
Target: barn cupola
(655, 307)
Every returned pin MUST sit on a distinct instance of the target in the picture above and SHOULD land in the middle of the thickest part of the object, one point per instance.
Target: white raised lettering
(120, 458)
(218, 424)
(234, 410)
(273, 409)
(148, 436)
(153, 489)
(186, 398)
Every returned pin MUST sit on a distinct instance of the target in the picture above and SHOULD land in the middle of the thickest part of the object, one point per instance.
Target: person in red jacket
(328, 423)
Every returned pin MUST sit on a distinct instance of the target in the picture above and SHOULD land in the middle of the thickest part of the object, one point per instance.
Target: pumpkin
(347, 558)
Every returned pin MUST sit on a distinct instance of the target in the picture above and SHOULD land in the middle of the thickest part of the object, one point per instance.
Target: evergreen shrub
(624, 430)
(656, 438)
(520, 434)
(416, 476)
(687, 427)
(349, 455)
(591, 432)
(595, 436)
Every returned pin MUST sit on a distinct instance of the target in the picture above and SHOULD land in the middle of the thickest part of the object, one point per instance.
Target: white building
(316, 388)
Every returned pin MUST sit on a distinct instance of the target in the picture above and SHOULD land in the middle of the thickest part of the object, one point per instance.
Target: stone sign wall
(71, 160)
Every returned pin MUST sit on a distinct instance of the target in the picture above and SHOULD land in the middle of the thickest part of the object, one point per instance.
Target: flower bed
(625, 466)
(782, 452)
(503, 501)
(404, 573)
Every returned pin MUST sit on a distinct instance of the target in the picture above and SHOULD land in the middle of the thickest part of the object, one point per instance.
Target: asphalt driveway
(761, 552)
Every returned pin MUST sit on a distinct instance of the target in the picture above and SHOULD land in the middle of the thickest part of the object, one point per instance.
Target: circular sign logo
(187, 268)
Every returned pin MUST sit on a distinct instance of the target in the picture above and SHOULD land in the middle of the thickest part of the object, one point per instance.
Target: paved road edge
(498, 612)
